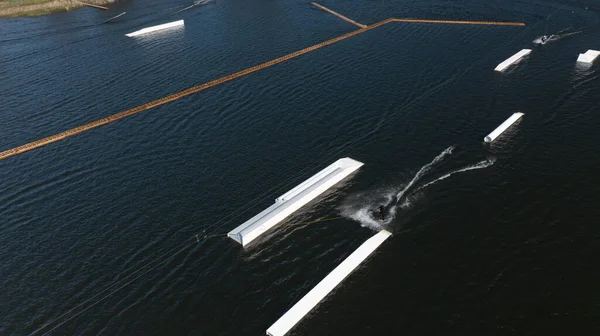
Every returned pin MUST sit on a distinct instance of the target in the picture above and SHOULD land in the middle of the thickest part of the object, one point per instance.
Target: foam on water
(364, 217)
(360, 206)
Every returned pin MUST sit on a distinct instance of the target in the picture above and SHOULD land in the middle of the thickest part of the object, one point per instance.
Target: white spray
(360, 209)
(483, 164)
(425, 169)
(362, 214)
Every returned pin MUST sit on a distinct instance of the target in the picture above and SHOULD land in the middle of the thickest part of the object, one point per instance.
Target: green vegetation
(21, 8)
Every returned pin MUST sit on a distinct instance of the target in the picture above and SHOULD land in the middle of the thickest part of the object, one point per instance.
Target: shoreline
(34, 8)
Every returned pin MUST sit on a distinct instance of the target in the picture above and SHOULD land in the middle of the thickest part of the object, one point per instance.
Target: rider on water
(381, 212)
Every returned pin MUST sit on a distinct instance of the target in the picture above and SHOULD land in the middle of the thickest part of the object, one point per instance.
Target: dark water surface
(505, 245)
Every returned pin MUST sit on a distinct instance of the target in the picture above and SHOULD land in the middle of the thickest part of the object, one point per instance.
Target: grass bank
(24, 8)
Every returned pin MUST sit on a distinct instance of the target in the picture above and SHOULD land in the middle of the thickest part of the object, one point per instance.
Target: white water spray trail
(483, 164)
(425, 169)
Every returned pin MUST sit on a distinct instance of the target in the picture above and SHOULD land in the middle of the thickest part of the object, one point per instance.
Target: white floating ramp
(589, 56)
(513, 59)
(310, 300)
(293, 200)
(156, 28)
(500, 129)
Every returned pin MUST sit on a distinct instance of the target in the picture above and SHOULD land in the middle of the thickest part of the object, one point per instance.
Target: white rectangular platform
(589, 56)
(503, 127)
(293, 200)
(312, 298)
(156, 28)
(513, 59)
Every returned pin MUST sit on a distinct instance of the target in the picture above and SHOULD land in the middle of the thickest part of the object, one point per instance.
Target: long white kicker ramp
(310, 300)
(293, 200)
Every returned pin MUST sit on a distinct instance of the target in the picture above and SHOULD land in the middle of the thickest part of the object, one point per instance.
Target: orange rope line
(86, 127)
(360, 25)
(112, 118)
(495, 23)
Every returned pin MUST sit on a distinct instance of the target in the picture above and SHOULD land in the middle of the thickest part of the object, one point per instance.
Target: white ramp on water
(513, 59)
(310, 300)
(589, 56)
(500, 129)
(156, 28)
(293, 200)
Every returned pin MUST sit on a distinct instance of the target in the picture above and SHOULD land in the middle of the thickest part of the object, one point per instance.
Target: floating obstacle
(310, 300)
(293, 200)
(513, 59)
(156, 28)
(589, 56)
(505, 125)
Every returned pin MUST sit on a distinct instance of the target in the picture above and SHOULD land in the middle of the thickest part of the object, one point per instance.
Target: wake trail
(361, 209)
(483, 164)
(426, 168)
(555, 37)
(573, 33)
